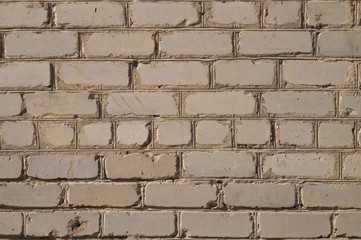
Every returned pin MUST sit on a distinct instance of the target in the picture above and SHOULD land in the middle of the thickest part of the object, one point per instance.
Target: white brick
(295, 133)
(10, 104)
(173, 133)
(10, 167)
(164, 13)
(44, 44)
(219, 103)
(135, 133)
(283, 13)
(18, 134)
(219, 164)
(11, 223)
(351, 166)
(235, 13)
(335, 134)
(90, 14)
(213, 133)
(348, 224)
(196, 43)
(22, 14)
(253, 132)
(115, 44)
(95, 134)
(340, 43)
(62, 166)
(330, 13)
(56, 135)
(350, 104)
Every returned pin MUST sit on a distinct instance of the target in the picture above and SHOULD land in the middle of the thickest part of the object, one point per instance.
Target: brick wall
(180, 119)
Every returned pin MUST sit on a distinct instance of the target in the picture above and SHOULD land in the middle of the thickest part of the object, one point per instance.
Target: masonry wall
(180, 119)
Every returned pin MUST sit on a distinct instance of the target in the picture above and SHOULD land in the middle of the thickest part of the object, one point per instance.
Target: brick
(250, 132)
(88, 74)
(10, 104)
(299, 103)
(18, 134)
(135, 133)
(298, 133)
(275, 42)
(318, 73)
(282, 14)
(145, 223)
(173, 133)
(219, 164)
(95, 134)
(103, 194)
(220, 224)
(22, 14)
(184, 195)
(244, 72)
(62, 224)
(41, 44)
(351, 166)
(90, 14)
(62, 166)
(340, 43)
(350, 104)
(196, 43)
(331, 13)
(11, 223)
(297, 165)
(348, 224)
(59, 103)
(30, 195)
(266, 195)
(235, 13)
(219, 103)
(295, 225)
(164, 13)
(56, 135)
(10, 167)
(173, 74)
(141, 166)
(213, 133)
(114, 44)
(24, 74)
(142, 103)
(335, 134)
(332, 195)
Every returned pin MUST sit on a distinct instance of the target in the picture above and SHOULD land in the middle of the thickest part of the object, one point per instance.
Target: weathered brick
(88, 74)
(22, 14)
(253, 132)
(48, 103)
(266, 195)
(220, 224)
(332, 195)
(11, 223)
(62, 166)
(172, 133)
(41, 44)
(335, 134)
(219, 103)
(348, 224)
(10, 104)
(299, 103)
(295, 225)
(30, 194)
(275, 42)
(331, 13)
(90, 14)
(318, 73)
(196, 43)
(142, 103)
(56, 135)
(235, 13)
(10, 167)
(103, 194)
(24, 74)
(350, 104)
(295, 133)
(219, 164)
(169, 194)
(62, 224)
(115, 44)
(145, 223)
(340, 43)
(164, 13)
(173, 74)
(17, 134)
(141, 166)
(297, 165)
(283, 13)
(96, 134)
(351, 166)
(134, 133)
(213, 133)
(244, 72)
